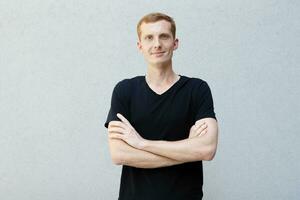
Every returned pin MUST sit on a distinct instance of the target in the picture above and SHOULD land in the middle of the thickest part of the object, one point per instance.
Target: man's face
(156, 42)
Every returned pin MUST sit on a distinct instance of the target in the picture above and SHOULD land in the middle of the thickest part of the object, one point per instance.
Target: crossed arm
(124, 154)
(127, 147)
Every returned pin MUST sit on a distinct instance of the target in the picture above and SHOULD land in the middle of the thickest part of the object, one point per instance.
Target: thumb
(123, 119)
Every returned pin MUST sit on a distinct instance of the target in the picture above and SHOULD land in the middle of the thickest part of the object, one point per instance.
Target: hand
(124, 130)
(198, 129)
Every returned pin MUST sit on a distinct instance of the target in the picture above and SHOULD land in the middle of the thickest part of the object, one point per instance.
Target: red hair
(154, 17)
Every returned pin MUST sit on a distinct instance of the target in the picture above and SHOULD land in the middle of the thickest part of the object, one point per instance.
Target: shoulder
(197, 83)
(198, 89)
(128, 82)
(126, 86)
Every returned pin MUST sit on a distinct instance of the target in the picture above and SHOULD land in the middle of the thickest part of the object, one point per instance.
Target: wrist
(143, 143)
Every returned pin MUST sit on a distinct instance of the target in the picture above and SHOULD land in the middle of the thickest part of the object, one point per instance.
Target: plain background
(60, 60)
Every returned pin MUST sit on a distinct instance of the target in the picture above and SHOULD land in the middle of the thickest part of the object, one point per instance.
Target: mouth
(158, 53)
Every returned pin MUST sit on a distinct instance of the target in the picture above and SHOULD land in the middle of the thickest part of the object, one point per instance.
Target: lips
(155, 53)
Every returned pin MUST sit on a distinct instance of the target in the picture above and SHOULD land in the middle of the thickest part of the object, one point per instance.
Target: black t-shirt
(168, 116)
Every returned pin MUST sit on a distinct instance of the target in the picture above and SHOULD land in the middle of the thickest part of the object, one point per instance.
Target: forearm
(187, 150)
(202, 147)
(124, 154)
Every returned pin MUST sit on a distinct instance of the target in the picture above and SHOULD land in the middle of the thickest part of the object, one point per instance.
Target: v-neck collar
(165, 92)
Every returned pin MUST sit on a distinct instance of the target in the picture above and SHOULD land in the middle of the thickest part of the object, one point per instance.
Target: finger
(123, 119)
(193, 135)
(193, 132)
(200, 123)
(116, 136)
(202, 127)
(117, 124)
(116, 129)
(203, 132)
(193, 128)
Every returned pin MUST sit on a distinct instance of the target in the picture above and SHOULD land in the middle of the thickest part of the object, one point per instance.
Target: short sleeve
(203, 102)
(119, 103)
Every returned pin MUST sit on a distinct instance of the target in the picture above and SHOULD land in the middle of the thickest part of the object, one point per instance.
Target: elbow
(117, 159)
(116, 153)
(210, 153)
(206, 154)
(117, 156)
(209, 157)
(117, 162)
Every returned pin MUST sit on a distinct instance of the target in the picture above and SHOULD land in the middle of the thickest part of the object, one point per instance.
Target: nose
(157, 44)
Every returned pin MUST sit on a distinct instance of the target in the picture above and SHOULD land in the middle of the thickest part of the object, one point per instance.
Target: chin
(159, 61)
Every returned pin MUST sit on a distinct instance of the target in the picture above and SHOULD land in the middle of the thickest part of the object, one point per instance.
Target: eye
(148, 37)
(164, 37)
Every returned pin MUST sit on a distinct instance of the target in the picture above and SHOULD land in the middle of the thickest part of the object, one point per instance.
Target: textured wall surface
(59, 61)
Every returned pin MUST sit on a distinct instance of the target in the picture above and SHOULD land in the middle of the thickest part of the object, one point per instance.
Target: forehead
(158, 27)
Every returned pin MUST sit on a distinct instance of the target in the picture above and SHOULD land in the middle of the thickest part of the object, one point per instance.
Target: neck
(162, 74)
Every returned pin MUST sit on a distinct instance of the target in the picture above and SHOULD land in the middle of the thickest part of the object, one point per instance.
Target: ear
(139, 45)
(176, 42)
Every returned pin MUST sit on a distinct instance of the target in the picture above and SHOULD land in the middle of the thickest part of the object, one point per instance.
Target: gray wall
(60, 60)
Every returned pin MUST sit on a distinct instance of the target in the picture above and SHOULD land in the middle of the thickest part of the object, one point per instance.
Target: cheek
(146, 52)
(169, 45)
(146, 47)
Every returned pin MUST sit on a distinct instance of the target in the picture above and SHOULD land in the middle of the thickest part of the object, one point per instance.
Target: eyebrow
(162, 34)
(147, 35)
(165, 34)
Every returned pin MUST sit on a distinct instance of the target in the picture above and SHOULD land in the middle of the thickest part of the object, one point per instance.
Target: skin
(127, 147)
(157, 37)
(124, 154)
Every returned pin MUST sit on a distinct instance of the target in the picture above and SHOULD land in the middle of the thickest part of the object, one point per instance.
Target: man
(161, 125)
